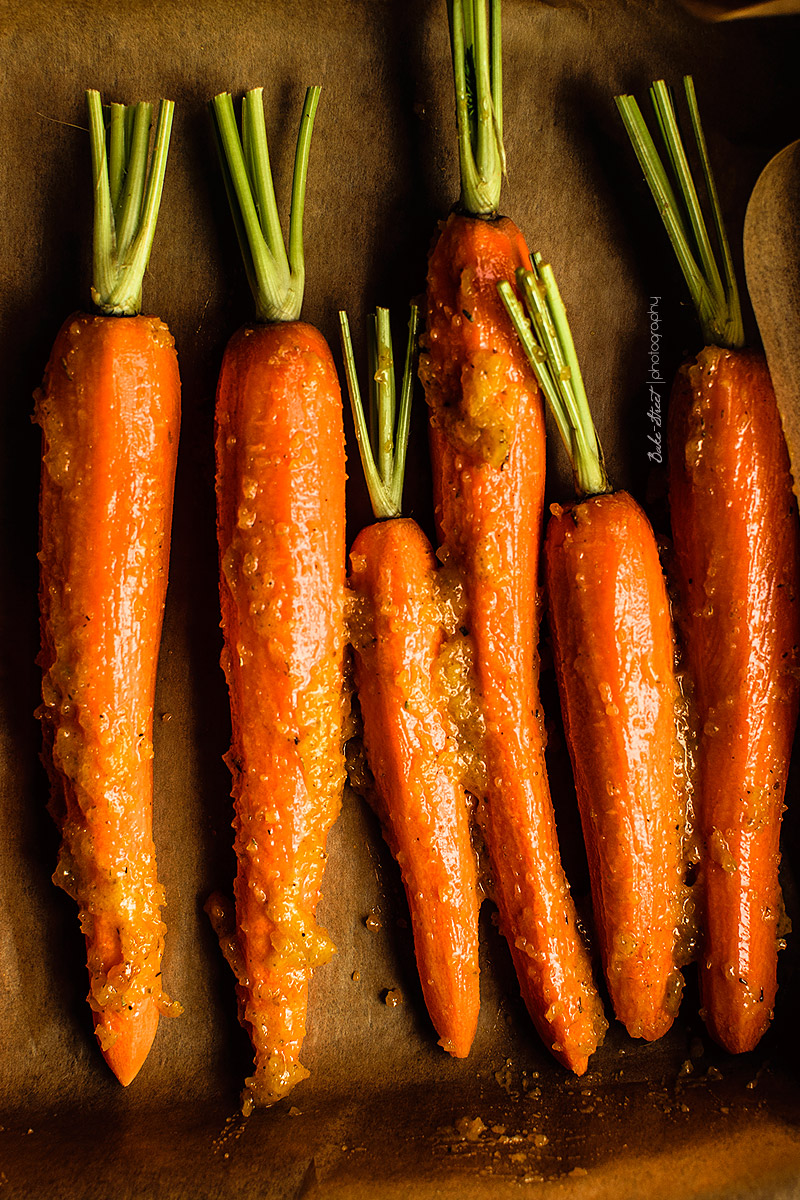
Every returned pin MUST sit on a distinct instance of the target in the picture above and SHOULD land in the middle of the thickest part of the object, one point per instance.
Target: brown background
(378, 1117)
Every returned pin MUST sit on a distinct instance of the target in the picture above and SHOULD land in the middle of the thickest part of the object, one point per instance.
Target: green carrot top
(126, 199)
(547, 341)
(714, 291)
(383, 436)
(477, 67)
(276, 279)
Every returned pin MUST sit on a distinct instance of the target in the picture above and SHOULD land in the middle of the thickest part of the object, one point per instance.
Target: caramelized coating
(109, 409)
(614, 655)
(280, 515)
(487, 443)
(411, 747)
(737, 544)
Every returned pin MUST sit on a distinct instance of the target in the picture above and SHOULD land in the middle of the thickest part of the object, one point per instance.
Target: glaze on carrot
(737, 547)
(411, 746)
(109, 408)
(614, 653)
(487, 449)
(280, 523)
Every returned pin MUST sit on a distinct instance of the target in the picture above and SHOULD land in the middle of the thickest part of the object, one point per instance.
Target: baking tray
(385, 1112)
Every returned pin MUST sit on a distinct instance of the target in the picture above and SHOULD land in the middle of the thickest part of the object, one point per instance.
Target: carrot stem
(116, 154)
(259, 173)
(299, 178)
(730, 285)
(382, 432)
(714, 293)
(277, 280)
(126, 199)
(476, 49)
(384, 392)
(550, 349)
(133, 187)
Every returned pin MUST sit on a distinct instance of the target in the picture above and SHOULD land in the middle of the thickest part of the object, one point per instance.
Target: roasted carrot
(737, 548)
(109, 408)
(396, 632)
(280, 523)
(614, 654)
(487, 449)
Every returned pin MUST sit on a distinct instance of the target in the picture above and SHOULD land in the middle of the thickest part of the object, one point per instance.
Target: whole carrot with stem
(487, 449)
(280, 523)
(396, 632)
(109, 408)
(737, 548)
(614, 654)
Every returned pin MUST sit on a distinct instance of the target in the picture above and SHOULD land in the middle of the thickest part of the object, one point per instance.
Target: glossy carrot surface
(737, 544)
(109, 409)
(614, 654)
(410, 744)
(280, 496)
(487, 442)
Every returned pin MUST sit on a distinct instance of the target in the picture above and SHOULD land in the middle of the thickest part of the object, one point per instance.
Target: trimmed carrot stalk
(487, 450)
(614, 653)
(410, 743)
(280, 522)
(735, 525)
(737, 541)
(109, 408)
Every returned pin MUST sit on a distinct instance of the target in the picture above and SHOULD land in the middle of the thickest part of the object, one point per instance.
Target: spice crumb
(470, 1128)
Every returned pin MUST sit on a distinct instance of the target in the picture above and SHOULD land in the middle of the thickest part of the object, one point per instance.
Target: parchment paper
(385, 1112)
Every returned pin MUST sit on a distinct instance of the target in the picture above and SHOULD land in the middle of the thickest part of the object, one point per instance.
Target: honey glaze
(454, 682)
(455, 668)
(475, 398)
(689, 932)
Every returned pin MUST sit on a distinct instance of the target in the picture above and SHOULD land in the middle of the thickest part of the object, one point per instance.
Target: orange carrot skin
(487, 444)
(280, 498)
(397, 634)
(109, 409)
(614, 655)
(737, 542)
